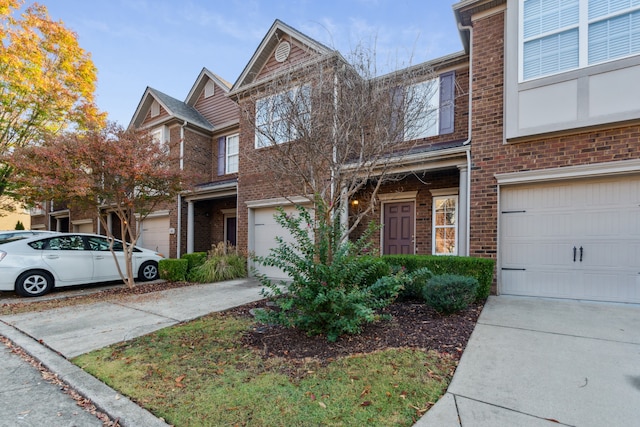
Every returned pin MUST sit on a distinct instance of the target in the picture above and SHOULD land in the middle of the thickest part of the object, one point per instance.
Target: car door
(104, 265)
(68, 259)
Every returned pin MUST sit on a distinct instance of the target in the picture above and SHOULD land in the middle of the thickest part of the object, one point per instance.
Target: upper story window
(232, 153)
(427, 119)
(281, 117)
(434, 111)
(228, 154)
(562, 35)
(160, 136)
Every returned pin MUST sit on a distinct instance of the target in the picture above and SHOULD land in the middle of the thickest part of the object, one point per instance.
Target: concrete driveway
(540, 362)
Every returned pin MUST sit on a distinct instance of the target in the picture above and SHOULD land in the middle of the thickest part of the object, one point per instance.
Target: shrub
(480, 268)
(448, 293)
(218, 268)
(194, 260)
(174, 270)
(332, 289)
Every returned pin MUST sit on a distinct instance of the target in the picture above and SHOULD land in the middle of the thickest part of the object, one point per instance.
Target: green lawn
(199, 374)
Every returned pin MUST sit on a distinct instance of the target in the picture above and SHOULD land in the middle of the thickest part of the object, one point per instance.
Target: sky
(165, 44)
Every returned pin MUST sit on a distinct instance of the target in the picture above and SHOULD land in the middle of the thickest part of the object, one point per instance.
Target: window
(161, 136)
(433, 107)
(280, 118)
(209, 89)
(62, 243)
(445, 225)
(425, 121)
(232, 153)
(155, 109)
(562, 35)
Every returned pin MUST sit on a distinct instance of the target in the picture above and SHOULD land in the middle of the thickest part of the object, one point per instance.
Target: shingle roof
(181, 110)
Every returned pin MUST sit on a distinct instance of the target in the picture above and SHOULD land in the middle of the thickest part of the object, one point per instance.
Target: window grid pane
(444, 225)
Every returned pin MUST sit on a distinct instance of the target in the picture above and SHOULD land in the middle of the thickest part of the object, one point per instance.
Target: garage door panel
(155, 234)
(265, 231)
(540, 224)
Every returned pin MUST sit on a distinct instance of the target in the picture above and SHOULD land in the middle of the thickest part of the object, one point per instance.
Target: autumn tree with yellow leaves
(47, 82)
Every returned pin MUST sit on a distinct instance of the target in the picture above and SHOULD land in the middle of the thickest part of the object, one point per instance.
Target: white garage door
(83, 227)
(155, 234)
(572, 239)
(265, 231)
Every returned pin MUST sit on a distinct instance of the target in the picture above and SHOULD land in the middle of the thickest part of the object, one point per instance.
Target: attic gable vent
(282, 51)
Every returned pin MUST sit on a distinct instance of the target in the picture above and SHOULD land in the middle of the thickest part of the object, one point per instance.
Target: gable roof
(200, 82)
(176, 109)
(269, 42)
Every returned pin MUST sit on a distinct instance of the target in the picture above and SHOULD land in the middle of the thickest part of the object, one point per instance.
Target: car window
(102, 244)
(60, 243)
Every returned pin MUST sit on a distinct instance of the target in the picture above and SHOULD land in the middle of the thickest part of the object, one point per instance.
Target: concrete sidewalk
(53, 336)
(537, 362)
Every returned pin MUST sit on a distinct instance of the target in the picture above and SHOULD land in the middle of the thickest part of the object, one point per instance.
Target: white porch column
(190, 227)
(109, 229)
(58, 224)
(463, 219)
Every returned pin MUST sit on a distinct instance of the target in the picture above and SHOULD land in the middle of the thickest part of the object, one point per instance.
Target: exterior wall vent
(282, 51)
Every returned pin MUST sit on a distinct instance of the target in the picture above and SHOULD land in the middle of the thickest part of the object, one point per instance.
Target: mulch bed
(413, 324)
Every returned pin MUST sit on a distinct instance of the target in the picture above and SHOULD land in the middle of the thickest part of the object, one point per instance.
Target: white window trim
(229, 154)
(583, 38)
(440, 194)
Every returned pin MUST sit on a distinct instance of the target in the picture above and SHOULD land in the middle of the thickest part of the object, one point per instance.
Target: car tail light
(2, 255)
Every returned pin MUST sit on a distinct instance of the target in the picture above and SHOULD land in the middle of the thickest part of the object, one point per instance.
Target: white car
(32, 267)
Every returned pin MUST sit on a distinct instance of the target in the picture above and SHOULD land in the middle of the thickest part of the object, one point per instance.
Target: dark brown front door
(398, 228)
(231, 230)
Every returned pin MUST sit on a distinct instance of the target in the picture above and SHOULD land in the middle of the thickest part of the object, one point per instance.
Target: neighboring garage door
(83, 227)
(265, 231)
(155, 234)
(576, 239)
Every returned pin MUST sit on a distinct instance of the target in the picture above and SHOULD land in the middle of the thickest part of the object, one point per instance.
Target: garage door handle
(574, 254)
(581, 253)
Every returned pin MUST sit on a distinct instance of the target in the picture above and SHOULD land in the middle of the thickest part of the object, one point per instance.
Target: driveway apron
(542, 362)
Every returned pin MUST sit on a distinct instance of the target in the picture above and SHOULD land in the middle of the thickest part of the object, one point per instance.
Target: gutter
(468, 141)
(179, 227)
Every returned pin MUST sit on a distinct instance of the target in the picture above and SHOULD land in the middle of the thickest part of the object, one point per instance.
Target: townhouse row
(531, 157)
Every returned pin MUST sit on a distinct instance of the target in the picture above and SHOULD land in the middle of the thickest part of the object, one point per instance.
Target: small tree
(47, 82)
(124, 171)
(19, 225)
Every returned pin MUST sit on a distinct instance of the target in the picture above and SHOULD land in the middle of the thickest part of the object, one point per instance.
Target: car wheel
(34, 283)
(148, 271)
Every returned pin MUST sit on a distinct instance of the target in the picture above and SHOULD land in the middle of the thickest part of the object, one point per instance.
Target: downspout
(468, 141)
(178, 237)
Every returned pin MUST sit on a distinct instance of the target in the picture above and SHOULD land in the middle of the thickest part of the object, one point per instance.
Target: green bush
(194, 260)
(174, 270)
(218, 268)
(332, 289)
(479, 268)
(449, 293)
